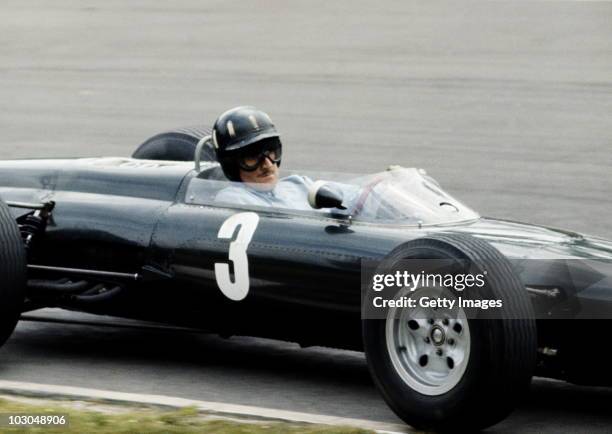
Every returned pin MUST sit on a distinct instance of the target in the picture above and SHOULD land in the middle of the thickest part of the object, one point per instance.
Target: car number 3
(247, 223)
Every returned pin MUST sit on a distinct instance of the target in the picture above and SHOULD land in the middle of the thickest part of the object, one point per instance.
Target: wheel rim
(429, 347)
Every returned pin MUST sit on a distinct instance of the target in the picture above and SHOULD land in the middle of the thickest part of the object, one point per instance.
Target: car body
(145, 239)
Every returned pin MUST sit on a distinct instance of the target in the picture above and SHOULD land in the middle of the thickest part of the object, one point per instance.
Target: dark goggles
(250, 161)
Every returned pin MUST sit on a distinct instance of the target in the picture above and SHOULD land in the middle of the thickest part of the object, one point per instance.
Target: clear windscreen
(405, 196)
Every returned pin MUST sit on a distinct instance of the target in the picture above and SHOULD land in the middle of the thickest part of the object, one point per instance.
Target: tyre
(457, 373)
(176, 145)
(12, 273)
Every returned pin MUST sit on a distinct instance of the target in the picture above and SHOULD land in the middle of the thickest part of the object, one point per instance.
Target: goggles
(252, 160)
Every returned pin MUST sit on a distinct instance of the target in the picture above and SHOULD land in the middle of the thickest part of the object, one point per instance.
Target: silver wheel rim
(429, 347)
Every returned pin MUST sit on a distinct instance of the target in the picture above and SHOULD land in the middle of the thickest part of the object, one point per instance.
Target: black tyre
(176, 145)
(477, 368)
(12, 273)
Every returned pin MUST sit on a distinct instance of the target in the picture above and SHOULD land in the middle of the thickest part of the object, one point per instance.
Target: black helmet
(237, 131)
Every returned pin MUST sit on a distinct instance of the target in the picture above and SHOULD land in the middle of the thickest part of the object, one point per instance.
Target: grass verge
(125, 419)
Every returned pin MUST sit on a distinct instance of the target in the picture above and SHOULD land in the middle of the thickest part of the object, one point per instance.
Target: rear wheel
(176, 145)
(454, 372)
(12, 273)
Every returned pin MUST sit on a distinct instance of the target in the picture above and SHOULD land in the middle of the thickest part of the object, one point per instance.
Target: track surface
(252, 371)
(508, 105)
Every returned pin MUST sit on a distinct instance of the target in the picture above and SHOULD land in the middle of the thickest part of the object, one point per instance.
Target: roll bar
(198, 151)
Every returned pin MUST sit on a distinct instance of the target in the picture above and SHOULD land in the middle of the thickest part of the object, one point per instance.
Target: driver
(249, 150)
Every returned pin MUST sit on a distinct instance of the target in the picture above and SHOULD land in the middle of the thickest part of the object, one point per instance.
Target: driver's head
(248, 146)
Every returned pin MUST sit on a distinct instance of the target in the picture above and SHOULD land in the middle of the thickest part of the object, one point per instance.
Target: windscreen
(403, 196)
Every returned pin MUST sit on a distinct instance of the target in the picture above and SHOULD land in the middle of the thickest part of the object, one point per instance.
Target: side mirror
(322, 195)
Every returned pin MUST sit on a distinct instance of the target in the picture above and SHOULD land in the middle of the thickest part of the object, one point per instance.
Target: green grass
(151, 420)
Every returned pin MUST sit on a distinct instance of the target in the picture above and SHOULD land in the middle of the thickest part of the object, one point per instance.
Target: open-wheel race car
(146, 238)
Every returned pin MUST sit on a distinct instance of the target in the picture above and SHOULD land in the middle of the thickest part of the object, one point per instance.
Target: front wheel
(454, 372)
(12, 273)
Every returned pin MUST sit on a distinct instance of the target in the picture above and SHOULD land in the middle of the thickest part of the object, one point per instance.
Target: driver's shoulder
(236, 194)
(297, 180)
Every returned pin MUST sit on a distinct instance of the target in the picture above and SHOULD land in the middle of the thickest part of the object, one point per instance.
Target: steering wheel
(363, 197)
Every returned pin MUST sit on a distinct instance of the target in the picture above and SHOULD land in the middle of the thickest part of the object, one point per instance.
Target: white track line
(49, 390)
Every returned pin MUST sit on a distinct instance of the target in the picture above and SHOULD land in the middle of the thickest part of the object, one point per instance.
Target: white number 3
(239, 288)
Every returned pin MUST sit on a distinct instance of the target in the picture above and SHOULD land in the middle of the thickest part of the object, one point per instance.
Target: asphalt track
(508, 105)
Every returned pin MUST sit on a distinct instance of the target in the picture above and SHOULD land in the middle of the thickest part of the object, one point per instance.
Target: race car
(146, 238)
